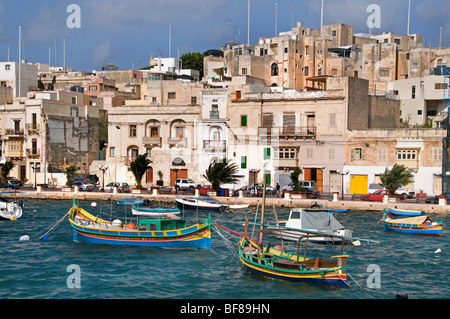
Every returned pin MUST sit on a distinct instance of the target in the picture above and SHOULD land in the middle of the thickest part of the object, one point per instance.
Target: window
(238, 95)
(437, 154)
(419, 112)
(193, 100)
(179, 132)
(74, 100)
(112, 152)
(358, 153)
(333, 33)
(274, 69)
(307, 50)
(309, 153)
(132, 130)
(407, 154)
(7, 67)
(331, 153)
(384, 73)
(306, 71)
(243, 161)
(154, 99)
(413, 92)
(440, 86)
(171, 95)
(243, 120)
(267, 153)
(382, 154)
(244, 71)
(397, 41)
(154, 132)
(332, 119)
(287, 153)
(93, 87)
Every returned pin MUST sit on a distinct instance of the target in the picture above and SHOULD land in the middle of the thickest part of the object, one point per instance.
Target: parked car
(378, 195)
(374, 187)
(121, 187)
(84, 186)
(435, 199)
(14, 182)
(204, 190)
(305, 184)
(185, 183)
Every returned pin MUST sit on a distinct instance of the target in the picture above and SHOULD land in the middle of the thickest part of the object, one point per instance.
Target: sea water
(59, 268)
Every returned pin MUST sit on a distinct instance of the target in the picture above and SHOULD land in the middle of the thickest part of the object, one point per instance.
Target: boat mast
(260, 236)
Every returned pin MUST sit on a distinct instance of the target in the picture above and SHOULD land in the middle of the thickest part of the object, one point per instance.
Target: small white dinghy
(319, 220)
(9, 210)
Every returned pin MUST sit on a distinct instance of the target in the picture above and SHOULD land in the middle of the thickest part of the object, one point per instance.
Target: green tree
(140, 165)
(222, 172)
(70, 171)
(193, 61)
(294, 178)
(393, 179)
(6, 168)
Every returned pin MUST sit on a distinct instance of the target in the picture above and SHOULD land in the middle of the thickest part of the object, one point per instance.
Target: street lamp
(35, 167)
(342, 181)
(103, 168)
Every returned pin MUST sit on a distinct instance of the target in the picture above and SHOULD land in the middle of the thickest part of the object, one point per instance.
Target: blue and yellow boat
(419, 225)
(151, 232)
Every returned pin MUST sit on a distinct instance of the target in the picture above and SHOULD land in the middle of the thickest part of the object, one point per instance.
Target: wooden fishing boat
(276, 263)
(420, 225)
(405, 212)
(152, 232)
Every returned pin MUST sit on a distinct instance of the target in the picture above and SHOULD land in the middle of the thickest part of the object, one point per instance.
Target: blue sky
(127, 33)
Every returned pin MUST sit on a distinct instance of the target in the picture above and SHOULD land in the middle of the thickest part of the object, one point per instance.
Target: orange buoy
(131, 226)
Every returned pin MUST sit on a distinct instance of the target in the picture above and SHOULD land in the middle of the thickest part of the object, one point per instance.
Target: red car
(205, 189)
(378, 196)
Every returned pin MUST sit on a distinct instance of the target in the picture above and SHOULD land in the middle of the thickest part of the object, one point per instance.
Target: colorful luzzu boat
(152, 232)
(420, 225)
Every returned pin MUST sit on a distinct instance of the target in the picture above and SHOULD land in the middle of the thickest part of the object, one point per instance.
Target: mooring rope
(54, 226)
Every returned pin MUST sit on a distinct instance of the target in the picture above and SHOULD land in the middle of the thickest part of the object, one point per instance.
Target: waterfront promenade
(286, 201)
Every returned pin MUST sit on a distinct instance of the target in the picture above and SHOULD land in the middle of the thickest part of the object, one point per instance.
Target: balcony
(214, 114)
(33, 153)
(33, 128)
(177, 141)
(152, 141)
(14, 133)
(287, 132)
(214, 146)
(286, 162)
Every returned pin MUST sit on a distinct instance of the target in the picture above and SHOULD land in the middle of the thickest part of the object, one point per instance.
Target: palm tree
(222, 172)
(294, 178)
(140, 165)
(395, 178)
(6, 168)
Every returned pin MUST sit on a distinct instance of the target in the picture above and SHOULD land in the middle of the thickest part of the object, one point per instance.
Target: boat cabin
(161, 224)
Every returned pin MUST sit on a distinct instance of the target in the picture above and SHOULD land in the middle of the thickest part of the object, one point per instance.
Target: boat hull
(277, 264)
(204, 208)
(406, 213)
(90, 229)
(434, 230)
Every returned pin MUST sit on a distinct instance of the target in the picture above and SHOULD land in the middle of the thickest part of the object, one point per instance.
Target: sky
(127, 33)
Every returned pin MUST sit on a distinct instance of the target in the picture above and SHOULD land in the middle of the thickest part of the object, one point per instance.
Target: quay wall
(356, 205)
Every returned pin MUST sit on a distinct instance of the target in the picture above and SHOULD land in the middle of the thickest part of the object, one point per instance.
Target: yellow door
(358, 184)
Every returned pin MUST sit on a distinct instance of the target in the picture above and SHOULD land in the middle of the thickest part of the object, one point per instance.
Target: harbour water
(36, 269)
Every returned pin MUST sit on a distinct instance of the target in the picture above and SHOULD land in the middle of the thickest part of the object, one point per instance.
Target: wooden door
(177, 173)
(319, 181)
(149, 176)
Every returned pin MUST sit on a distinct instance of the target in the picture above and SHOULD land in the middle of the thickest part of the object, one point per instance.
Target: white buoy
(24, 237)
(438, 251)
(356, 243)
(94, 204)
(117, 222)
